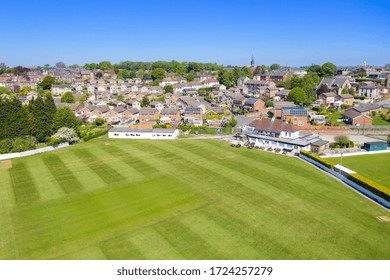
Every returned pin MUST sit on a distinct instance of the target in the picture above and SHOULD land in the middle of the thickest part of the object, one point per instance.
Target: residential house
(347, 99)
(369, 91)
(337, 84)
(297, 116)
(253, 104)
(156, 104)
(276, 76)
(170, 116)
(278, 105)
(328, 98)
(60, 89)
(193, 116)
(354, 117)
(148, 115)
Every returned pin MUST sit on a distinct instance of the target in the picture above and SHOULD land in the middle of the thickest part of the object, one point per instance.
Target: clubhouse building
(138, 133)
(275, 133)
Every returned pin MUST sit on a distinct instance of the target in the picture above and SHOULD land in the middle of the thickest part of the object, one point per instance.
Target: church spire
(253, 61)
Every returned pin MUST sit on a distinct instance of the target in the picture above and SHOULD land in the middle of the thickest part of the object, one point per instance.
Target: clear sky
(287, 32)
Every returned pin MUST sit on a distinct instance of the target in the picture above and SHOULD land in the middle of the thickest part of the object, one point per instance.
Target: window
(116, 134)
(127, 134)
(138, 135)
(169, 135)
(300, 123)
(132, 134)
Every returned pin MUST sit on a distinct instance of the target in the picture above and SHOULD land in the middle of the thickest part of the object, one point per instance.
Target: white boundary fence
(355, 186)
(33, 152)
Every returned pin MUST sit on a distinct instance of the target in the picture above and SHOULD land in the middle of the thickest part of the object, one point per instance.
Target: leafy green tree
(315, 68)
(132, 75)
(25, 90)
(226, 78)
(68, 97)
(4, 90)
(233, 122)
(145, 101)
(99, 121)
(158, 74)
(297, 95)
(328, 69)
(275, 66)
(105, 65)
(296, 81)
(50, 108)
(6, 146)
(168, 88)
(190, 77)
(247, 72)
(194, 67)
(269, 103)
(47, 82)
(309, 81)
(64, 117)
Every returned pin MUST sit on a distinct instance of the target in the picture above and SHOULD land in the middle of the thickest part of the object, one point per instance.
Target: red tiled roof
(271, 125)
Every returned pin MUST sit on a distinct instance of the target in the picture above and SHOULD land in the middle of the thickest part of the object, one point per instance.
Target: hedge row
(323, 161)
(97, 134)
(371, 186)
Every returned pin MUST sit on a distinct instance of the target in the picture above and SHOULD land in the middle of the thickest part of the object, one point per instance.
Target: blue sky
(226, 32)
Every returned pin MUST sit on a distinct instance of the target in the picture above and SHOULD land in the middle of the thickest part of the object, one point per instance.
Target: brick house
(148, 114)
(169, 115)
(354, 117)
(296, 116)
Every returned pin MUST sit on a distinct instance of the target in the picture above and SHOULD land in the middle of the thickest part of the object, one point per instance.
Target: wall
(33, 152)
(355, 186)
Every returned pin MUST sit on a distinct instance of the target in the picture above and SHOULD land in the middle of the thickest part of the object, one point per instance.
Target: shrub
(371, 186)
(99, 121)
(66, 134)
(22, 144)
(95, 134)
(318, 159)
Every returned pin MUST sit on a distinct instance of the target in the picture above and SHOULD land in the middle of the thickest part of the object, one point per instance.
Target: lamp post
(341, 161)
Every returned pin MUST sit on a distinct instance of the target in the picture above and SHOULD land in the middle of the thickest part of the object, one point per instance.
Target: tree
(226, 78)
(60, 65)
(247, 72)
(260, 70)
(190, 77)
(296, 81)
(145, 101)
(39, 122)
(25, 90)
(99, 74)
(105, 65)
(275, 66)
(47, 82)
(158, 74)
(99, 121)
(168, 88)
(297, 95)
(269, 103)
(4, 90)
(328, 69)
(64, 117)
(233, 122)
(68, 97)
(13, 119)
(21, 144)
(66, 134)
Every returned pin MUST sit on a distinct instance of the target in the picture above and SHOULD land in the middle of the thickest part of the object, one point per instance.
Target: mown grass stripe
(64, 177)
(121, 249)
(23, 185)
(189, 244)
(152, 245)
(104, 171)
(134, 162)
(7, 197)
(224, 241)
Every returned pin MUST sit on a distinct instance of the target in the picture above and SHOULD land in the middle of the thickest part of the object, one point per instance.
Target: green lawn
(375, 167)
(185, 199)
